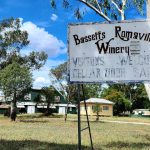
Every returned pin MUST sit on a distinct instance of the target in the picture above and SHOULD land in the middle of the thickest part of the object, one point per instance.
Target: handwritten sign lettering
(109, 52)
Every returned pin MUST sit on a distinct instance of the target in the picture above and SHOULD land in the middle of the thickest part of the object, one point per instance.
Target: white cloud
(54, 17)
(41, 82)
(40, 39)
(41, 77)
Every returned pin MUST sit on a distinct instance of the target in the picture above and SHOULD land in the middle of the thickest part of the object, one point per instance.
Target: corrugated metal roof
(98, 100)
(4, 106)
(65, 105)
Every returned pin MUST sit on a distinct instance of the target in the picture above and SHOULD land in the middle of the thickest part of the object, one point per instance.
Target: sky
(47, 29)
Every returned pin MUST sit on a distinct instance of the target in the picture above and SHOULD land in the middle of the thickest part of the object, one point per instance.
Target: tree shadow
(36, 145)
(91, 121)
(129, 145)
(33, 121)
(147, 137)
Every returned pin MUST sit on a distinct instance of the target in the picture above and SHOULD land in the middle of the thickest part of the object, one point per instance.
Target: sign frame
(102, 81)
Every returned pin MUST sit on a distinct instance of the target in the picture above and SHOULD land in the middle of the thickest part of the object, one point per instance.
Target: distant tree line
(126, 97)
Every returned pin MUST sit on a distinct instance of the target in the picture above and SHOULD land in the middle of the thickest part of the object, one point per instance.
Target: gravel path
(140, 123)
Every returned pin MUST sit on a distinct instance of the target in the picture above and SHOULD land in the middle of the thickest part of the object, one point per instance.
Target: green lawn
(46, 133)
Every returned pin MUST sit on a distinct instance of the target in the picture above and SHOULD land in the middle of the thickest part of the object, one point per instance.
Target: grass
(37, 132)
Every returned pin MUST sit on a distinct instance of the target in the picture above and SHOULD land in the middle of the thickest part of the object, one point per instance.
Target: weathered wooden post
(147, 84)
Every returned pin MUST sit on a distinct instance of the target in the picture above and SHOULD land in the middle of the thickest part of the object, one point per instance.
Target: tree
(97, 110)
(129, 90)
(140, 98)
(121, 105)
(134, 96)
(136, 93)
(91, 90)
(107, 9)
(49, 93)
(60, 71)
(15, 81)
(12, 41)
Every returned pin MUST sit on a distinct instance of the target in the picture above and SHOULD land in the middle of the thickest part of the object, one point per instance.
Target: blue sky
(47, 28)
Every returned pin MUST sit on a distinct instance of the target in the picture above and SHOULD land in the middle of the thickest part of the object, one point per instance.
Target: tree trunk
(66, 111)
(13, 111)
(66, 108)
(97, 115)
(48, 112)
(122, 11)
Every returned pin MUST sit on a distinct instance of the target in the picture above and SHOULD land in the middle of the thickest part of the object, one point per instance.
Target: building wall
(27, 104)
(105, 109)
(35, 94)
(29, 101)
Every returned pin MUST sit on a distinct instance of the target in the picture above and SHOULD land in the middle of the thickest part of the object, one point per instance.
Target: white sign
(109, 52)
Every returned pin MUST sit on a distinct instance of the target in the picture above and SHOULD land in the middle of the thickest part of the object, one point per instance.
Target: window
(70, 109)
(27, 97)
(93, 107)
(105, 107)
(43, 98)
(57, 99)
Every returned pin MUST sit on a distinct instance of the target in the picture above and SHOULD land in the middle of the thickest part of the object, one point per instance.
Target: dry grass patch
(50, 133)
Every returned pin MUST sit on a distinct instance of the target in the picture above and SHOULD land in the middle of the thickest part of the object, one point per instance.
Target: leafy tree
(12, 41)
(136, 93)
(128, 105)
(129, 90)
(15, 81)
(97, 110)
(140, 98)
(121, 103)
(60, 71)
(91, 90)
(107, 9)
(49, 93)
